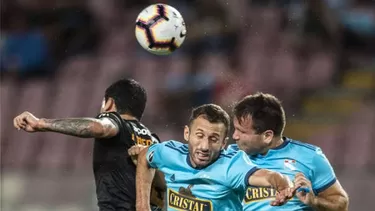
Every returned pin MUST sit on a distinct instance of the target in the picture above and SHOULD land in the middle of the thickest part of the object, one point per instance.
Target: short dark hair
(265, 110)
(129, 96)
(212, 113)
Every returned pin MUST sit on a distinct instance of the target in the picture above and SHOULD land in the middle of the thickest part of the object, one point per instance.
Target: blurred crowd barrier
(58, 57)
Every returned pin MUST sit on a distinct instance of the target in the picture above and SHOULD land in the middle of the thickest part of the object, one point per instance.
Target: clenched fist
(134, 152)
(28, 122)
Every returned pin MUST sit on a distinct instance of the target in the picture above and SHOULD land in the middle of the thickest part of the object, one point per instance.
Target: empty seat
(320, 70)
(358, 139)
(7, 92)
(354, 182)
(253, 67)
(22, 145)
(146, 71)
(58, 150)
(284, 79)
(328, 141)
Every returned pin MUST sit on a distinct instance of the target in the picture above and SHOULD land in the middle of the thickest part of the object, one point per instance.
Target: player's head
(258, 119)
(125, 96)
(206, 134)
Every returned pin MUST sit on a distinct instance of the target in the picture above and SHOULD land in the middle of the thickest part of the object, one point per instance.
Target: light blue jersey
(219, 186)
(288, 159)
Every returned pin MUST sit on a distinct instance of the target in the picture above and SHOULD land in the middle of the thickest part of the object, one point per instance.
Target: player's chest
(189, 191)
(202, 181)
(286, 166)
(206, 180)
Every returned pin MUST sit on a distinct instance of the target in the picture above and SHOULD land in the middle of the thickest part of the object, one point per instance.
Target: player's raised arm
(80, 127)
(149, 159)
(145, 175)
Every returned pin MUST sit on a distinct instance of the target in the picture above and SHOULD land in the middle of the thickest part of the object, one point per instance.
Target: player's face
(246, 137)
(205, 140)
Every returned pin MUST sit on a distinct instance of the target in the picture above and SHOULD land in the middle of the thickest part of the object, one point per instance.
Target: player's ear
(186, 133)
(225, 142)
(109, 105)
(267, 136)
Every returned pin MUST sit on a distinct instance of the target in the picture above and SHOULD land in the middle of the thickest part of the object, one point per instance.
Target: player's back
(288, 159)
(113, 168)
(219, 186)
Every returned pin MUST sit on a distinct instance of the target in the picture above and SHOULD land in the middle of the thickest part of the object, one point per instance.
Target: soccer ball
(160, 29)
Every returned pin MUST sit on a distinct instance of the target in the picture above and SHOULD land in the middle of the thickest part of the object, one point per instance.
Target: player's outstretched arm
(80, 127)
(144, 178)
(266, 178)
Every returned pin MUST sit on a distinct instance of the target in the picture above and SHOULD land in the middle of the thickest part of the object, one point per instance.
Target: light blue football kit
(219, 186)
(288, 159)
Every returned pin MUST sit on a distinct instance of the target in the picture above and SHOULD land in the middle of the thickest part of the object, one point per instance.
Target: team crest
(290, 164)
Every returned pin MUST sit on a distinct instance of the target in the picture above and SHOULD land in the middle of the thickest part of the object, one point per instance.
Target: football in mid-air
(160, 29)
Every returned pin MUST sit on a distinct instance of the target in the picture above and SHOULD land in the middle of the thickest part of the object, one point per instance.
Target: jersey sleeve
(240, 170)
(155, 156)
(155, 138)
(125, 130)
(323, 173)
(113, 116)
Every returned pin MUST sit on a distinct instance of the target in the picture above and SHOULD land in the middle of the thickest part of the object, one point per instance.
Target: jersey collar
(285, 142)
(270, 151)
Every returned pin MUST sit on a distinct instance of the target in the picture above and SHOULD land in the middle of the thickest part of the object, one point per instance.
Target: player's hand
(27, 122)
(283, 196)
(134, 152)
(306, 195)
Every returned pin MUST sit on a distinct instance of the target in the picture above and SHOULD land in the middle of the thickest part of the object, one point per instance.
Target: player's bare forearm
(332, 203)
(80, 127)
(266, 178)
(144, 178)
(333, 198)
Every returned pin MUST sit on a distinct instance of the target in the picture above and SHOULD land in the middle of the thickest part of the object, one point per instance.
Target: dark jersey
(114, 170)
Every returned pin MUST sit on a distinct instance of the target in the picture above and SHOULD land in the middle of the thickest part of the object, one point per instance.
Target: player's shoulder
(176, 146)
(231, 156)
(113, 116)
(306, 150)
(301, 145)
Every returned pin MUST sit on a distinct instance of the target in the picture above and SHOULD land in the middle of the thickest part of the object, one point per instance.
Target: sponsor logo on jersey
(258, 194)
(142, 141)
(185, 200)
(143, 136)
(142, 131)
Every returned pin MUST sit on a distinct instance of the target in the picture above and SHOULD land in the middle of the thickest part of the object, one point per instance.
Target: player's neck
(128, 117)
(276, 142)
